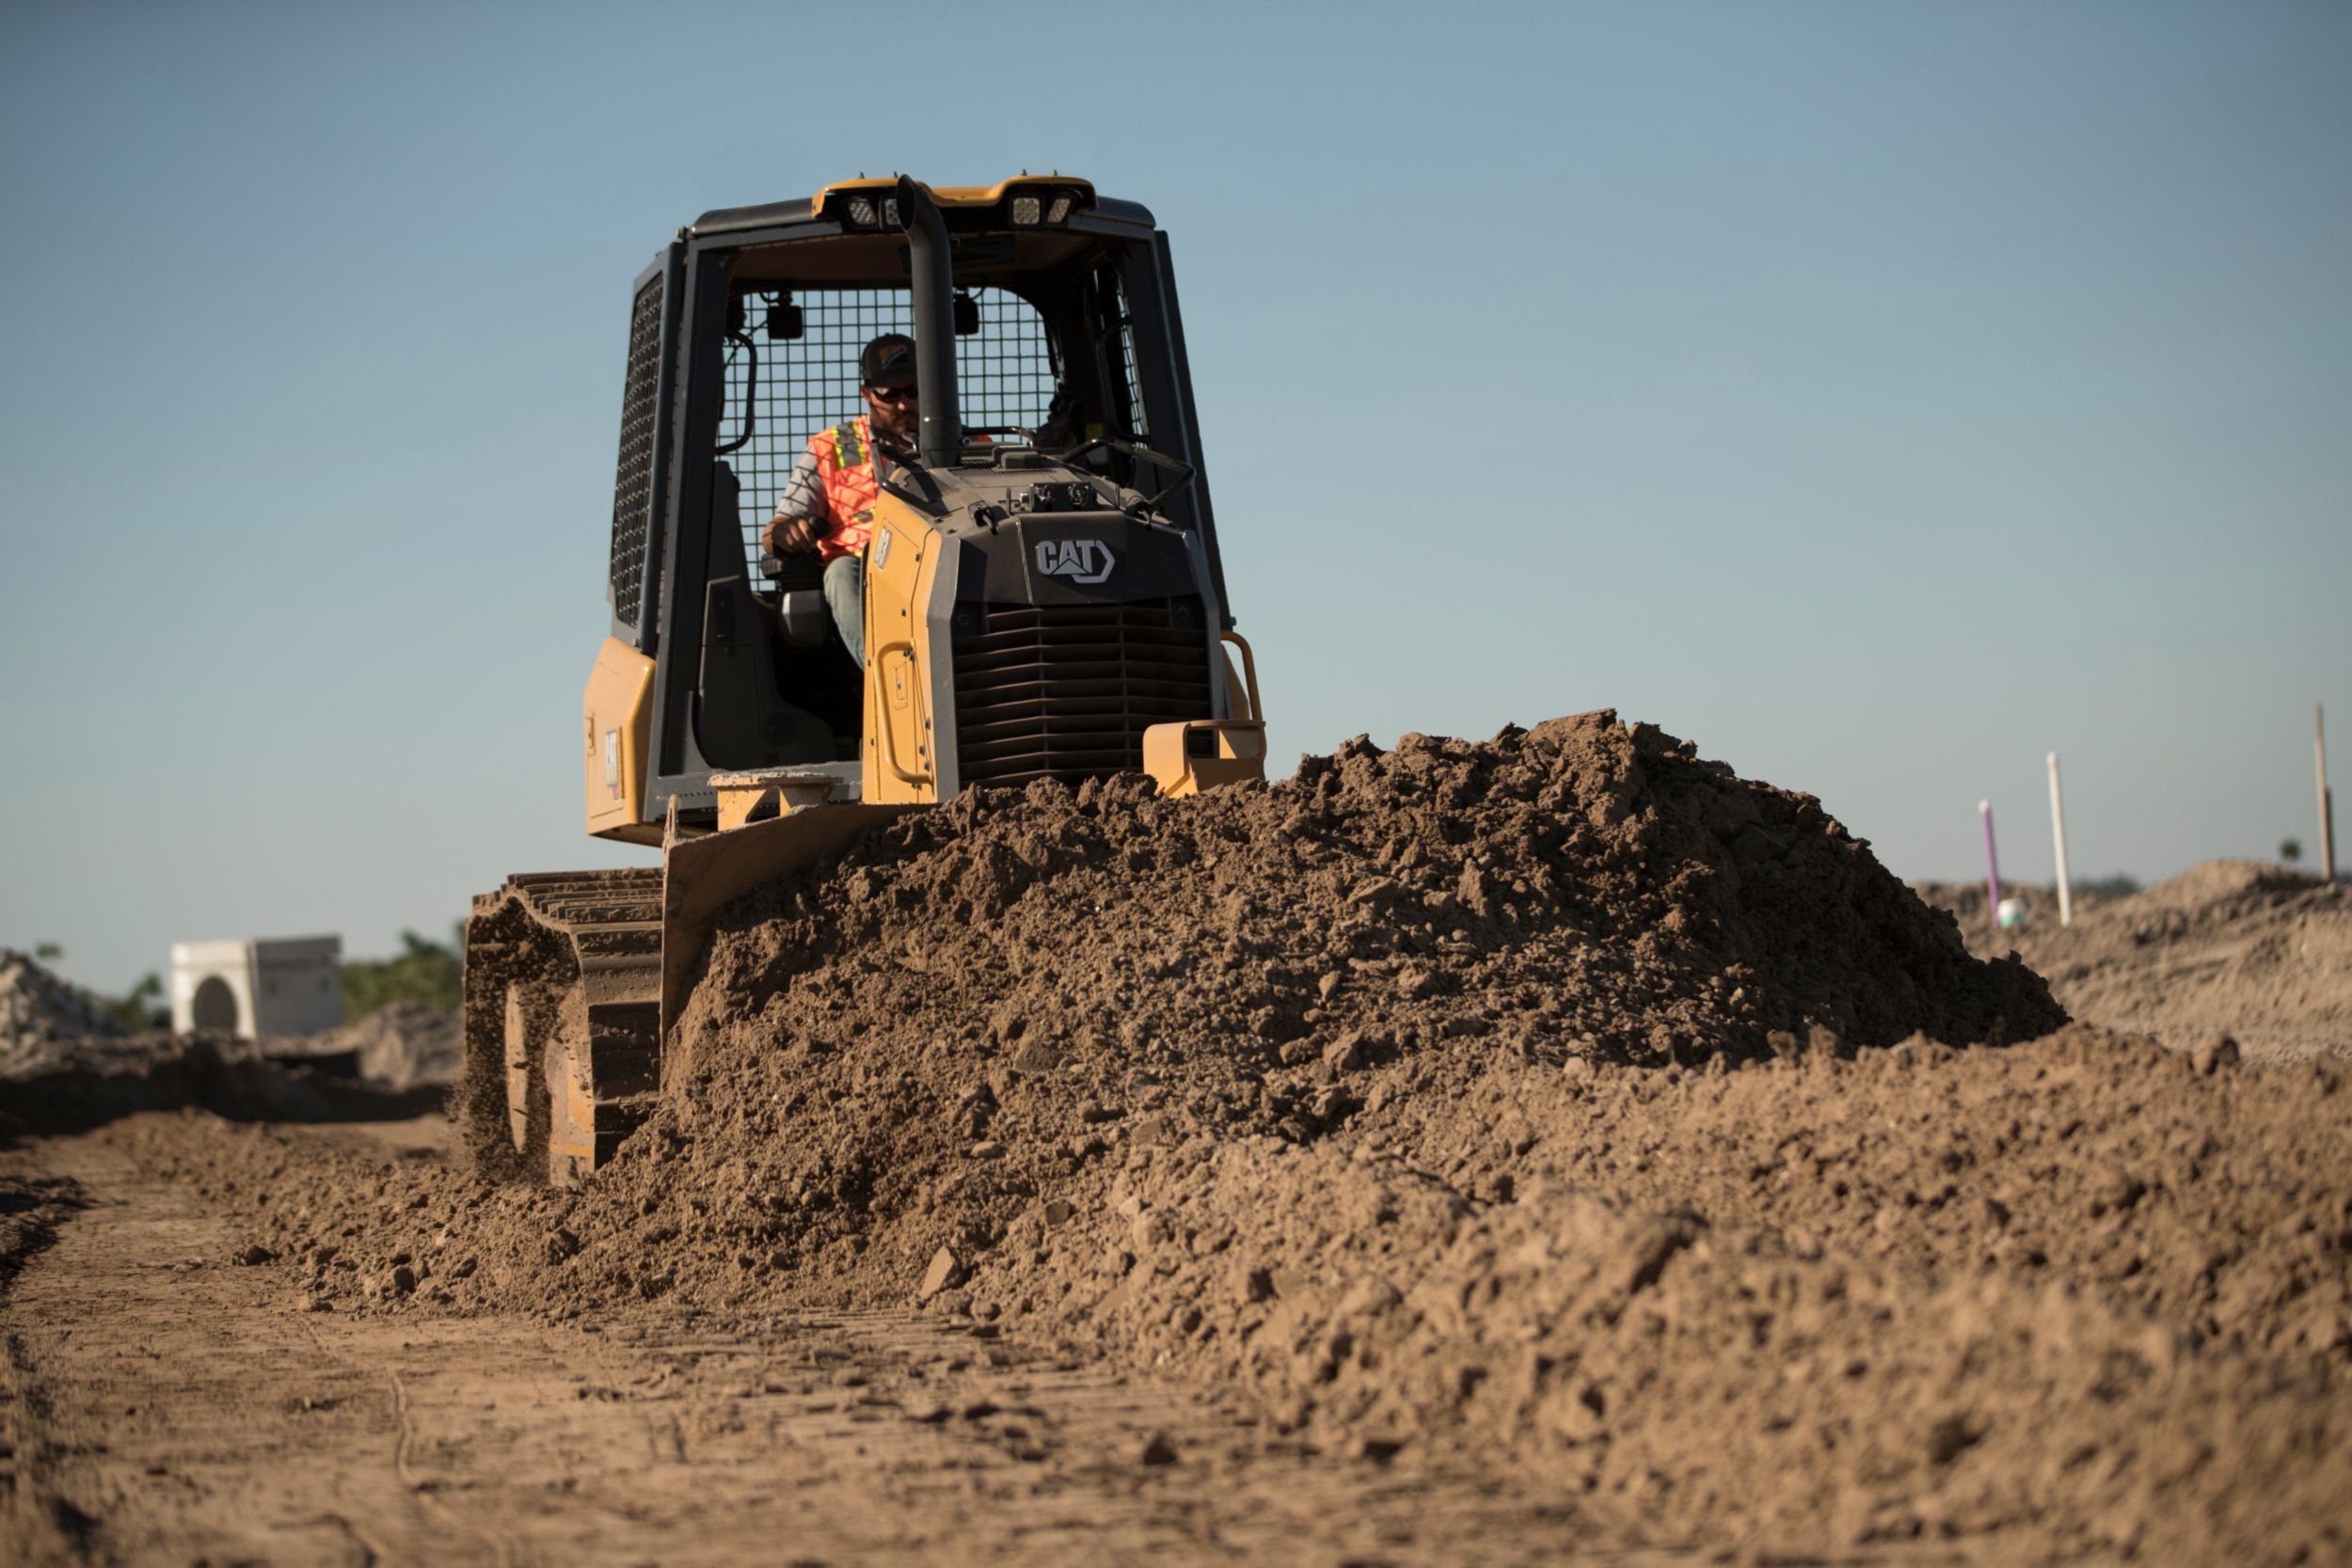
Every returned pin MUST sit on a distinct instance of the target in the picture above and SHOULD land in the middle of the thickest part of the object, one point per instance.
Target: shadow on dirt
(90, 1083)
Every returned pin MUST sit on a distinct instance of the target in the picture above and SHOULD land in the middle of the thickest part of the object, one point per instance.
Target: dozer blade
(700, 875)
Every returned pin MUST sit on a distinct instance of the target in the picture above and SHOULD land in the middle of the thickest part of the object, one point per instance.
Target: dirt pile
(2242, 948)
(1925, 1291)
(402, 1045)
(65, 1065)
(1696, 1380)
(2077, 1295)
(1563, 1103)
(70, 1085)
(986, 999)
(38, 1009)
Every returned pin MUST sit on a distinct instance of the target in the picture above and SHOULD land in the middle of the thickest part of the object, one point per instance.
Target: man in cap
(827, 504)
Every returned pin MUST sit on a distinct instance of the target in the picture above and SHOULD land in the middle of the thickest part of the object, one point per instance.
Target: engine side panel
(901, 572)
(618, 712)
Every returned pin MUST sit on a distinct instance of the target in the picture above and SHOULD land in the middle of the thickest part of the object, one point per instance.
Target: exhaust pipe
(940, 440)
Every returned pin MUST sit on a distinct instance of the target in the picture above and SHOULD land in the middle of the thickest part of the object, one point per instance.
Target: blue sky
(1879, 396)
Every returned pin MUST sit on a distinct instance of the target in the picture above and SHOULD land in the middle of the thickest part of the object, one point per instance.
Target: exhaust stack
(940, 440)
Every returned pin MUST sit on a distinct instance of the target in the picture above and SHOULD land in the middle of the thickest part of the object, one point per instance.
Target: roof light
(1025, 209)
(1058, 210)
(890, 213)
(861, 213)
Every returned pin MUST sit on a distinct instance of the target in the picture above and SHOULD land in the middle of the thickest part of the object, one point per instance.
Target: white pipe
(1992, 870)
(2058, 833)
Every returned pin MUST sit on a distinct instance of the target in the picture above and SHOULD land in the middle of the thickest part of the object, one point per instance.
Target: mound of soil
(1030, 977)
(70, 1085)
(37, 1010)
(402, 1045)
(2242, 948)
(65, 1065)
(2075, 1296)
(1564, 1103)
(1797, 1293)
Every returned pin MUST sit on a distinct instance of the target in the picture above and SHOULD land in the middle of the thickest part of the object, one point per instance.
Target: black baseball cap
(888, 361)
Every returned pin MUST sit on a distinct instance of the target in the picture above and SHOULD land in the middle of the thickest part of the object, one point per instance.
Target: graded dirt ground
(162, 1402)
(1554, 1148)
(2244, 948)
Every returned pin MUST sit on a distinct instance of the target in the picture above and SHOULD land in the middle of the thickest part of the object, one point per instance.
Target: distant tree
(143, 1006)
(426, 972)
(2290, 849)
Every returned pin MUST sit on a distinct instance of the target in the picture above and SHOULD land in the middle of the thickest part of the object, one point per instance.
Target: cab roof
(972, 204)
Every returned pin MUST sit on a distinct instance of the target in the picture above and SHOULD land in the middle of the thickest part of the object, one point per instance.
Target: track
(564, 989)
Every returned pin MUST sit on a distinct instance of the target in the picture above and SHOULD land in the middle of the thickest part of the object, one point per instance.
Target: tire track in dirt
(188, 1409)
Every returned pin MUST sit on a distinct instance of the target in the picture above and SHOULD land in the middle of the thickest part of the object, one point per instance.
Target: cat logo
(1088, 561)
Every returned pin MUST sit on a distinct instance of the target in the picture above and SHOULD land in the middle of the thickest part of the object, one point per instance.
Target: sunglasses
(892, 394)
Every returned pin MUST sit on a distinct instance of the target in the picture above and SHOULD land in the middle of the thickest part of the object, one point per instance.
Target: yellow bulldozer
(1043, 599)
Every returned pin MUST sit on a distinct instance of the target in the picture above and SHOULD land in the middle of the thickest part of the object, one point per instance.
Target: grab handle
(1250, 671)
(882, 712)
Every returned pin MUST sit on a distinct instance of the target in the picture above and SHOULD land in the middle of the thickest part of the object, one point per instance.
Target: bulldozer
(1043, 599)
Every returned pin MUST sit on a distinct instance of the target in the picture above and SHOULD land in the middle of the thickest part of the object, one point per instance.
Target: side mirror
(785, 321)
(967, 316)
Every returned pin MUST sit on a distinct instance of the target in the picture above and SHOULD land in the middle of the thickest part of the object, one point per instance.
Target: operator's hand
(789, 535)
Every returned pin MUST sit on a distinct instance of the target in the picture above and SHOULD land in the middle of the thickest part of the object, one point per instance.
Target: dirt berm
(1528, 1104)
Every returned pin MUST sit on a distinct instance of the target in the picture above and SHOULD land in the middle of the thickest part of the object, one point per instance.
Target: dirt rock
(946, 1270)
(2214, 1053)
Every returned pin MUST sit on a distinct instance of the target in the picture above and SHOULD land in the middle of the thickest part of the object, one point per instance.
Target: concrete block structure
(265, 985)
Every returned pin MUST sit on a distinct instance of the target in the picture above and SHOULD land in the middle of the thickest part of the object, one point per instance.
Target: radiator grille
(1067, 691)
(632, 479)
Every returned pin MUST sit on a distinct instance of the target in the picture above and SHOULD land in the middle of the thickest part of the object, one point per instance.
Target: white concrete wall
(301, 985)
(272, 986)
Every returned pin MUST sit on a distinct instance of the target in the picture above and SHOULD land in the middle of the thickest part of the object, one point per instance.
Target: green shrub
(427, 971)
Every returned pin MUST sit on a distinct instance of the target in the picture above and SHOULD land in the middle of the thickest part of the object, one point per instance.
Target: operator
(827, 504)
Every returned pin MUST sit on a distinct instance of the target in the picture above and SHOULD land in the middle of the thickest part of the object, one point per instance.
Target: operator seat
(798, 581)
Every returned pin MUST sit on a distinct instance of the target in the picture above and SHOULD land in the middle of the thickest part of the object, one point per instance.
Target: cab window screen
(1004, 380)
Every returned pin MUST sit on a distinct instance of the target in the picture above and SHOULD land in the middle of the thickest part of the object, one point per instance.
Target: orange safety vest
(845, 467)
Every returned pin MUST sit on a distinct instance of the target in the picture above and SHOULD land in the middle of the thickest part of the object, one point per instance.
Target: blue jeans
(845, 596)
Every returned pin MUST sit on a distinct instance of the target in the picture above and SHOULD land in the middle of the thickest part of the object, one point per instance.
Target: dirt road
(164, 1403)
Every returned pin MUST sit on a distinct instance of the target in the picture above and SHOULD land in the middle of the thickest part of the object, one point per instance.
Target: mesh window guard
(1124, 347)
(632, 482)
(1004, 378)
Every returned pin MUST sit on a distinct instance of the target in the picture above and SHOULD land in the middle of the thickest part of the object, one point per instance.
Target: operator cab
(744, 344)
